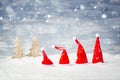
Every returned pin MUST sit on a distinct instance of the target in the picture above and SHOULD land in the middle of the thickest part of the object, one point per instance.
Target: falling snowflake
(77, 19)
(104, 16)
(1, 18)
(95, 7)
(21, 9)
(48, 16)
(75, 9)
(82, 7)
(47, 21)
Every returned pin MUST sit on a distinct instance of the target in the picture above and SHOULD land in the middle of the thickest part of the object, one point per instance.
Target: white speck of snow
(95, 7)
(104, 16)
(38, 12)
(10, 19)
(75, 9)
(21, 9)
(1, 18)
(47, 21)
(48, 16)
(24, 19)
(77, 19)
(82, 7)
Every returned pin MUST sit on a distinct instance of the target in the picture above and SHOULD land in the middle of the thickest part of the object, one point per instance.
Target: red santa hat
(97, 55)
(46, 60)
(64, 59)
(81, 55)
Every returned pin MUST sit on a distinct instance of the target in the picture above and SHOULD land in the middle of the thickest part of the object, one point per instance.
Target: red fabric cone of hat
(64, 59)
(46, 60)
(97, 55)
(81, 55)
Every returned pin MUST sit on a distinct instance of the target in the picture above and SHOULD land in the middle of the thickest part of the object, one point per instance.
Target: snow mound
(29, 68)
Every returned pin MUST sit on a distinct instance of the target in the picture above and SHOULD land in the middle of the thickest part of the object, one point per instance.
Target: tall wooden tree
(35, 49)
(18, 51)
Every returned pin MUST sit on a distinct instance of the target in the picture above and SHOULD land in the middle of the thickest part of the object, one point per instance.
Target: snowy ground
(29, 68)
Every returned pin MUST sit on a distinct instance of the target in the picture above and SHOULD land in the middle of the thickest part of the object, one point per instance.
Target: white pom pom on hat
(97, 35)
(74, 38)
(42, 48)
(53, 46)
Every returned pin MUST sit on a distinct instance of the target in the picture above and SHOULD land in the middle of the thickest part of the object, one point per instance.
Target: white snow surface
(30, 68)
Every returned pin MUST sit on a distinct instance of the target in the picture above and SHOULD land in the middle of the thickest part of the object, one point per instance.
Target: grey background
(57, 21)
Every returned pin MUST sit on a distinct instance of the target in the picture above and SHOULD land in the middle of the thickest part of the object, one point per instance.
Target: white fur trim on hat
(53, 46)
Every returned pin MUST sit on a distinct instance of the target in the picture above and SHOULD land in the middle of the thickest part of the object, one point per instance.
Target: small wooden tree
(18, 51)
(35, 49)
